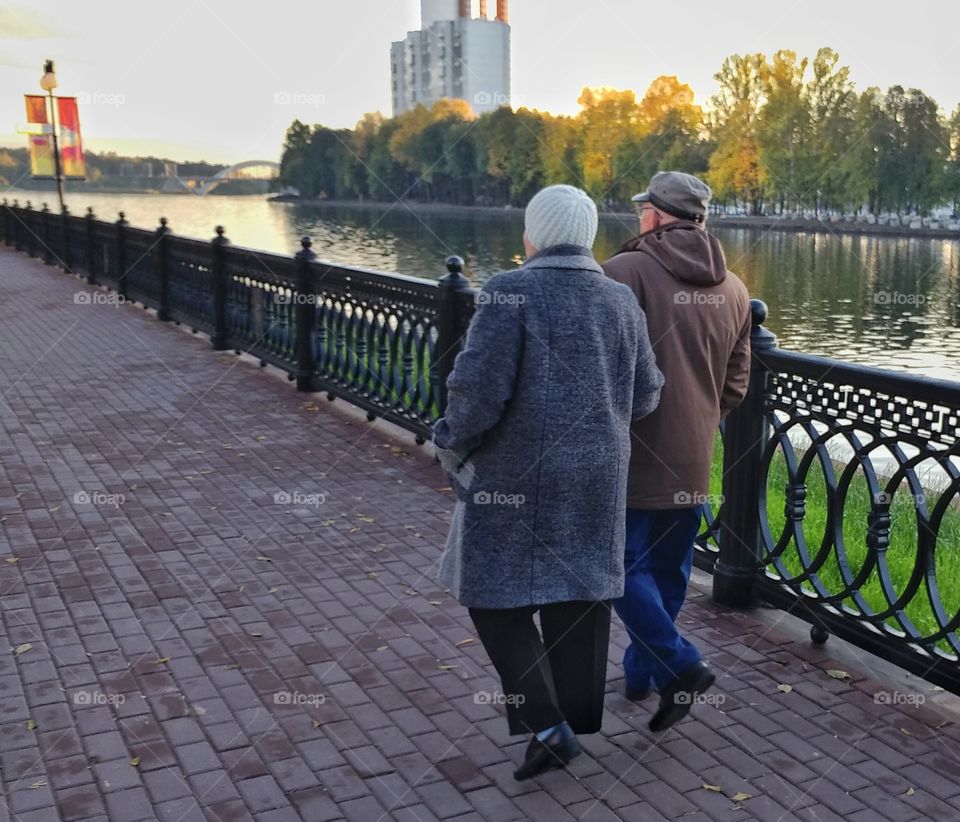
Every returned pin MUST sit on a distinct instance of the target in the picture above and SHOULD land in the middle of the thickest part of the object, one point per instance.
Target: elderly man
(536, 440)
(699, 320)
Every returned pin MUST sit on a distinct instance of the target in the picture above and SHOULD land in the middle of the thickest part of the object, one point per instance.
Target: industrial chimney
(483, 9)
(503, 13)
(465, 9)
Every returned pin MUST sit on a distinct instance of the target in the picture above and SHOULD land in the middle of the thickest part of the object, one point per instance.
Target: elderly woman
(536, 441)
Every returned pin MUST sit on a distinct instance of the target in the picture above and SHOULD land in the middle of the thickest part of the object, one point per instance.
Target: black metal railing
(841, 504)
(384, 342)
(840, 484)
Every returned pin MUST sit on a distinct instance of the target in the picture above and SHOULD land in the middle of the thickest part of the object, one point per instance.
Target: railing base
(733, 586)
(306, 383)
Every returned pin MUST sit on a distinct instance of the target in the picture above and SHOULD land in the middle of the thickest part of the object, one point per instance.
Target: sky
(221, 81)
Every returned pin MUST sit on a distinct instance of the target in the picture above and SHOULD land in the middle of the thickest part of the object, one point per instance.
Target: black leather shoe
(678, 697)
(637, 694)
(554, 752)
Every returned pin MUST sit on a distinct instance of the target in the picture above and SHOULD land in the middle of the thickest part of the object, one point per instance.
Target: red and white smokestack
(465, 9)
(483, 9)
(503, 12)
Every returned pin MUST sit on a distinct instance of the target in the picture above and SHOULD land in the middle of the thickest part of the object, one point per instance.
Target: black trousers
(559, 676)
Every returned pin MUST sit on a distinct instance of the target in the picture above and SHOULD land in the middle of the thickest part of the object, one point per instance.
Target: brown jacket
(698, 315)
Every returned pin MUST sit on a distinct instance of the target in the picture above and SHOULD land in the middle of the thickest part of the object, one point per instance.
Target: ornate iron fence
(384, 342)
(840, 484)
(841, 504)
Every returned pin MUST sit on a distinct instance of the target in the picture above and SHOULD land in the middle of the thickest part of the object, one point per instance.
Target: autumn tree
(952, 172)
(832, 104)
(788, 132)
(783, 129)
(736, 171)
(607, 117)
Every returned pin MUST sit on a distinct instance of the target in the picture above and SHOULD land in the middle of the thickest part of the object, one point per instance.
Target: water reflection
(890, 302)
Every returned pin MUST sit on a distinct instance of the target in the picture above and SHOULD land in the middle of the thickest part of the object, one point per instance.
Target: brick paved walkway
(185, 647)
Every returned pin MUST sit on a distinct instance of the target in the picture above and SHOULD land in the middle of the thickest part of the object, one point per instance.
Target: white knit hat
(561, 215)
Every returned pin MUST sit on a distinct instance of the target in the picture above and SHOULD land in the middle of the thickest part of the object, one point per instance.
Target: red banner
(71, 146)
(41, 144)
(36, 108)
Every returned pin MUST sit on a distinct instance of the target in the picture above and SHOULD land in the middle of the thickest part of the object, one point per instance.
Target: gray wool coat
(536, 437)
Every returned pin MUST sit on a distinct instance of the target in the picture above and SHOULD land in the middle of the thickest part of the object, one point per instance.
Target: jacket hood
(683, 248)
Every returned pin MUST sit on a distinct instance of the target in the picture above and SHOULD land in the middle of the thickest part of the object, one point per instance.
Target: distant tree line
(782, 135)
(15, 167)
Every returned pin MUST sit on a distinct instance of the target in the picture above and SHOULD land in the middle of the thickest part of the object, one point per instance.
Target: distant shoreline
(629, 219)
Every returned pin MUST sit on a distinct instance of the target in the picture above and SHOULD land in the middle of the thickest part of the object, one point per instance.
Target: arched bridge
(238, 171)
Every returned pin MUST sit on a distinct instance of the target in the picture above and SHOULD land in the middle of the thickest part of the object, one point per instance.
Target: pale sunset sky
(221, 81)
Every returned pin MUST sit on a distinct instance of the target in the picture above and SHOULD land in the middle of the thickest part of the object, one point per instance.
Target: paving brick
(492, 803)
(175, 613)
(131, 805)
(261, 793)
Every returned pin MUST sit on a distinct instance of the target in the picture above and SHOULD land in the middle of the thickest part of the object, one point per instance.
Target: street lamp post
(48, 83)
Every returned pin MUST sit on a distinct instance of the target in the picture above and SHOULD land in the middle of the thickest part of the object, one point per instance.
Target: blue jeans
(659, 554)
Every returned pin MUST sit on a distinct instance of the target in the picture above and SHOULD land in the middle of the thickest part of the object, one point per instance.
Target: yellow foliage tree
(607, 117)
(665, 96)
(404, 142)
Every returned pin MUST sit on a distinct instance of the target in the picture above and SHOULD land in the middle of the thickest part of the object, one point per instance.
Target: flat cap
(679, 194)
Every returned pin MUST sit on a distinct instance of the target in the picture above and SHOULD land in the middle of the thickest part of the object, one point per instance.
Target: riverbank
(627, 218)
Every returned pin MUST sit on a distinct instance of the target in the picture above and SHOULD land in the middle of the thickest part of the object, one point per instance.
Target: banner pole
(56, 148)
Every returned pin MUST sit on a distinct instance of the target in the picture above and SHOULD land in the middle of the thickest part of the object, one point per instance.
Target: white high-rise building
(453, 55)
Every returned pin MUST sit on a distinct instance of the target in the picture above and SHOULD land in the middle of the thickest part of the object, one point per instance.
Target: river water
(892, 302)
